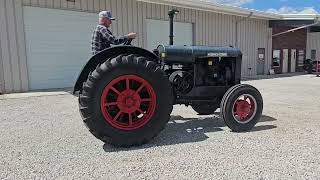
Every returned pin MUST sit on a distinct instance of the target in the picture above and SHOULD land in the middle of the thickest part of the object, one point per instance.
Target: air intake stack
(171, 14)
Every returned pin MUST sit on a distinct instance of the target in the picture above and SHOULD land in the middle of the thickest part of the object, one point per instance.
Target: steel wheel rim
(244, 108)
(128, 102)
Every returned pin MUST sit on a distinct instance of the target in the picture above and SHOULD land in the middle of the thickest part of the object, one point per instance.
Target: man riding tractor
(127, 93)
(102, 37)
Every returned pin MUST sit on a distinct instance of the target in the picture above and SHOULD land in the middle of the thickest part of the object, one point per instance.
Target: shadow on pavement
(261, 77)
(187, 130)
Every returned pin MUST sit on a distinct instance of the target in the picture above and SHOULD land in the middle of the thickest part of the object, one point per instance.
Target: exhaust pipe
(171, 14)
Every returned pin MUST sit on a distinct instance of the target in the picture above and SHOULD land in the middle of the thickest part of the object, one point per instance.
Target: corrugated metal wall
(313, 42)
(210, 29)
(12, 47)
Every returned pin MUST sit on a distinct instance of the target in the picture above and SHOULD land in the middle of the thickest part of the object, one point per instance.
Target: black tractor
(126, 93)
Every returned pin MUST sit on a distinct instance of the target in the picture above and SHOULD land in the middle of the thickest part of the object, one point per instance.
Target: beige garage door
(58, 45)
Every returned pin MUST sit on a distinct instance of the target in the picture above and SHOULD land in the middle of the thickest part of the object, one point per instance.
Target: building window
(276, 58)
(300, 57)
(313, 54)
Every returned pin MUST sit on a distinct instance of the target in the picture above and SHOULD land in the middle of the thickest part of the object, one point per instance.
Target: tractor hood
(190, 53)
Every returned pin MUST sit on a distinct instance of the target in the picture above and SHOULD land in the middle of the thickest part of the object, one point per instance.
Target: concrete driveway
(44, 138)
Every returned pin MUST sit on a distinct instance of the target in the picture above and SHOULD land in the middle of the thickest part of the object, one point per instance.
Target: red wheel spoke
(128, 84)
(111, 104)
(130, 119)
(115, 90)
(146, 100)
(117, 116)
(140, 88)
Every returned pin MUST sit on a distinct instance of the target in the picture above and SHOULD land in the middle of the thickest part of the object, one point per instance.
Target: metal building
(44, 43)
(313, 45)
(295, 38)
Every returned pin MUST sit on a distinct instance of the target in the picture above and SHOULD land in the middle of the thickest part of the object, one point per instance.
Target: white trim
(209, 6)
(300, 16)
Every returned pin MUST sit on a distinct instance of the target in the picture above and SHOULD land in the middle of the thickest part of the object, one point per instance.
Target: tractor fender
(106, 55)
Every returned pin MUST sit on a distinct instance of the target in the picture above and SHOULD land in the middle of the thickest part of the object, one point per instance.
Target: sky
(277, 6)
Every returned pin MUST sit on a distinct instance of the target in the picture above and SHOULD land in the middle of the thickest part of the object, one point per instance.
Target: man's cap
(106, 14)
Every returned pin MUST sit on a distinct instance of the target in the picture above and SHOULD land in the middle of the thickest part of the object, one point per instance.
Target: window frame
(279, 58)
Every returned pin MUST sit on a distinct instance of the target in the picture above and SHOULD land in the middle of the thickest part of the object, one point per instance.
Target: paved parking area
(44, 138)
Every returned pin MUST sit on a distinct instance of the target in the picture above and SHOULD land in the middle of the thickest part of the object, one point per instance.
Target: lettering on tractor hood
(217, 55)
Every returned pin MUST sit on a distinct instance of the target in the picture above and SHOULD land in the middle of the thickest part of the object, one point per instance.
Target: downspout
(237, 23)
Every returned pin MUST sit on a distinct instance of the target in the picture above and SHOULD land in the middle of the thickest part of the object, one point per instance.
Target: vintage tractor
(126, 93)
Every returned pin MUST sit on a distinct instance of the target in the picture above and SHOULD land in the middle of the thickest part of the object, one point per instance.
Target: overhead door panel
(58, 45)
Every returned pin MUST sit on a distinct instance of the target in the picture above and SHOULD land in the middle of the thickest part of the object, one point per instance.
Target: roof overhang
(218, 8)
(276, 20)
(300, 16)
(289, 23)
(309, 21)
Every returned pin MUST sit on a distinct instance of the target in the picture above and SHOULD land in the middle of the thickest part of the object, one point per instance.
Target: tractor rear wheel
(205, 108)
(126, 101)
(242, 107)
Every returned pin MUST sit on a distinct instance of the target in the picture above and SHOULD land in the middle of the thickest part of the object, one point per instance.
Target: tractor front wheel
(242, 107)
(126, 101)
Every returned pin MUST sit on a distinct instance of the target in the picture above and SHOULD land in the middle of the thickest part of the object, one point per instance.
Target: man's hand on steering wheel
(130, 36)
(128, 42)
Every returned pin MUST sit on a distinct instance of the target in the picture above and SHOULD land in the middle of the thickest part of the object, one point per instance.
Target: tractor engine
(198, 72)
(182, 81)
(209, 73)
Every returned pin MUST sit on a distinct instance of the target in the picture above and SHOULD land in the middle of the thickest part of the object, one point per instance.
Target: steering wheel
(128, 42)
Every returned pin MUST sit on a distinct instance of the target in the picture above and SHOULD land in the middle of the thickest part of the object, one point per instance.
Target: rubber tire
(226, 95)
(205, 108)
(89, 100)
(227, 104)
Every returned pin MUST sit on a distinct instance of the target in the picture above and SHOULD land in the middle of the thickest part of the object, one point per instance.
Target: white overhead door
(158, 33)
(58, 45)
